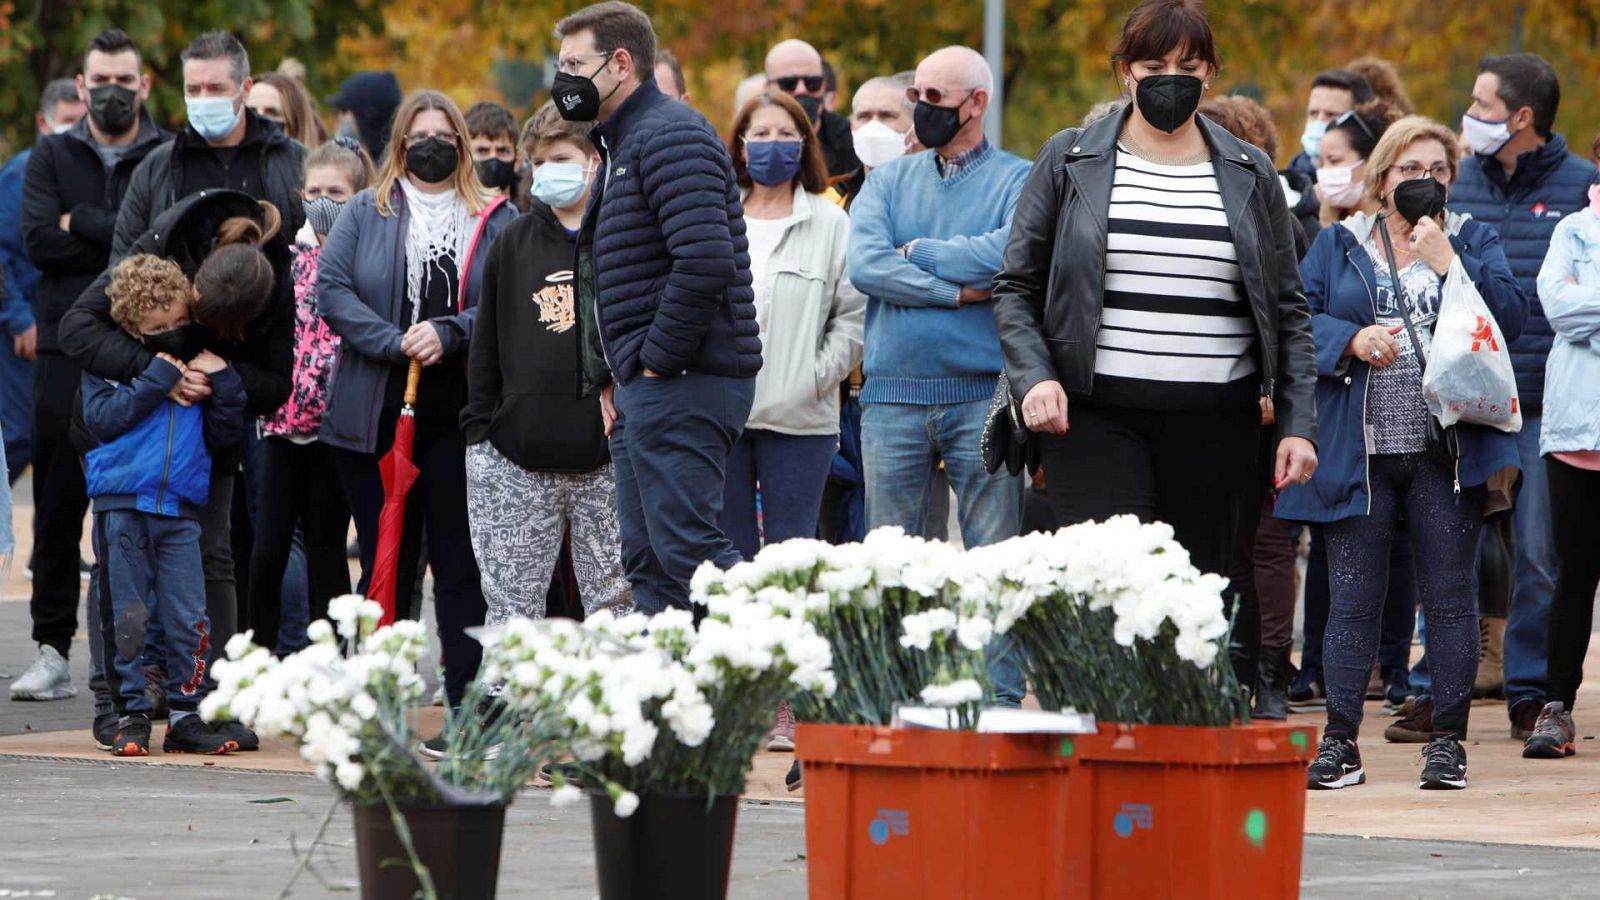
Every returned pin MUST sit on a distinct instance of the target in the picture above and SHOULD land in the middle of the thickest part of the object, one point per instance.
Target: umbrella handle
(413, 376)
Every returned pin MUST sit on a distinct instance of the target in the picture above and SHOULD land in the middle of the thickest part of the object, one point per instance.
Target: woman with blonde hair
(398, 280)
(284, 101)
(1374, 284)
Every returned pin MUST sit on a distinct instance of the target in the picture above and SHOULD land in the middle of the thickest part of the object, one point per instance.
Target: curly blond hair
(142, 283)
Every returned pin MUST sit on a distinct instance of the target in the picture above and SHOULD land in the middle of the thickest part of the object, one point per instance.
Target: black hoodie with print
(523, 391)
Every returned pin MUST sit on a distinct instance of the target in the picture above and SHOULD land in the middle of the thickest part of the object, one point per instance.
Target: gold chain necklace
(1133, 147)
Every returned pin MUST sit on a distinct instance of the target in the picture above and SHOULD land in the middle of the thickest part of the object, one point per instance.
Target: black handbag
(1006, 441)
(1443, 442)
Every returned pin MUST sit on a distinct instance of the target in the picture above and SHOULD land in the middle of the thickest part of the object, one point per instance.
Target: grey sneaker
(47, 679)
(1553, 734)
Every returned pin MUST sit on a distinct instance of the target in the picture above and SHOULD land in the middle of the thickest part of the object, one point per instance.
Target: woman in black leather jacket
(1150, 283)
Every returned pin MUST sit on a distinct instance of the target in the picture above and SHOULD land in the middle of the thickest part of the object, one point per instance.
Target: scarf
(440, 225)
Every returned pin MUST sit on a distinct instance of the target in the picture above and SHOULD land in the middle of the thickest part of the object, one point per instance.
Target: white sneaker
(47, 679)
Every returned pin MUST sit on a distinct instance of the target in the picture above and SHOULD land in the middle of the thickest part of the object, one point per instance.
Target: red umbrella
(399, 474)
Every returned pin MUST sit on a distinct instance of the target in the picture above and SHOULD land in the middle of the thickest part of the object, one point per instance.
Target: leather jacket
(1048, 293)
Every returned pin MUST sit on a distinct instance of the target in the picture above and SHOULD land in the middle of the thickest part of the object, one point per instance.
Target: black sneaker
(1307, 692)
(191, 735)
(1553, 734)
(1444, 766)
(243, 738)
(1396, 691)
(1338, 765)
(105, 730)
(132, 737)
(791, 781)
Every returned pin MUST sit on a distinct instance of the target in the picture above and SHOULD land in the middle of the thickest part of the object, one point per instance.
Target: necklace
(1191, 159)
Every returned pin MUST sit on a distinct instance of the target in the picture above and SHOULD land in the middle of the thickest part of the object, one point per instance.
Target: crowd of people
(622, 344)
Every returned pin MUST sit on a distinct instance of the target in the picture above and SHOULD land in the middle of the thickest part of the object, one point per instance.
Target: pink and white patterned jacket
(316, 348)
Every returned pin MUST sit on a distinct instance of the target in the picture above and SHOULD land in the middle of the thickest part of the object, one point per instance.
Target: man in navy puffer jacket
(664, 262)
(1521, 181)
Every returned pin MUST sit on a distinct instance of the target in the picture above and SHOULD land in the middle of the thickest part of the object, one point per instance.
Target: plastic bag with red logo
(1469, 376)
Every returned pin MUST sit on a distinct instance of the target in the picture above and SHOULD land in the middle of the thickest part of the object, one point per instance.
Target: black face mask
(812, 106)
(185, 342)
(937, 125)
(576, 97)
(432, 160)
(1168, 101)
(1419, 198)
(497, 174)
(113, 108)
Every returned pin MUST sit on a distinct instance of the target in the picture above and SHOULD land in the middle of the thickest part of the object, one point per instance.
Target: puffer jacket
(670, 261)
(1572, 378)
(316, 347)
(1048, 294)
(1549, 184)
(1340, 285)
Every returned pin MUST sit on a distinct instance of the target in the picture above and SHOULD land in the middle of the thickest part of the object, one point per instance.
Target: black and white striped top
(1176, 332)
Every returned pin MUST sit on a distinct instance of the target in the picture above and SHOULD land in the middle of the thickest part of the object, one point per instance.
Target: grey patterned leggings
(518, 518)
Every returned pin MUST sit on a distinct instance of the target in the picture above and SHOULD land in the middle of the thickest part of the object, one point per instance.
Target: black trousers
(439, 500)
(1575, 512)
(60, 501)
(1192, 470)
(300, 488)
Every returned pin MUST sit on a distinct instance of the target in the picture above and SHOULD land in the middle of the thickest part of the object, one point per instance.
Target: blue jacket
(361, 284)
(154, 455)
(20, 276)
(922, 346)
(1548, 184)
(1339, 284)
(1573, 374)
(671, 261)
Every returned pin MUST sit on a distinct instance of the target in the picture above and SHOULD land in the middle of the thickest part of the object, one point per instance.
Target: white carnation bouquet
(652, 704)
(892, 613)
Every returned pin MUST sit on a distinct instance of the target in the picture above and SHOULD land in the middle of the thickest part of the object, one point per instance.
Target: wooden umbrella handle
(413, 375)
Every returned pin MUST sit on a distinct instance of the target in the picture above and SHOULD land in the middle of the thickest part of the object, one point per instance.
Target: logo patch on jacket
(1540, 211)
(556, 308)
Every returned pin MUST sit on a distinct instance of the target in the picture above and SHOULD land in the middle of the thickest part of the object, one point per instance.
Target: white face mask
(877, 144)
(1484, 137)
(1339, 187)
(1311, 138)
(60, 127)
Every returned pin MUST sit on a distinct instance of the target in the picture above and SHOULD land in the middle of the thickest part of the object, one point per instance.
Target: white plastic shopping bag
(1469, 376)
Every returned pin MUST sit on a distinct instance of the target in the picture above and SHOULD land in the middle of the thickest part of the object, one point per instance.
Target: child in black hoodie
(537, 458)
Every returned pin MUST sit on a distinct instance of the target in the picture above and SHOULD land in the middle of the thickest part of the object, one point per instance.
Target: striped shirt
(1176, 332)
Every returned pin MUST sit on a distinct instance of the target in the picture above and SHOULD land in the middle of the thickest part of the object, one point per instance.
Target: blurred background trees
(1056, 63)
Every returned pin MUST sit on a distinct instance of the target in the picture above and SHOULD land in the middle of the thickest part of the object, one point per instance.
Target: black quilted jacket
(671, 265)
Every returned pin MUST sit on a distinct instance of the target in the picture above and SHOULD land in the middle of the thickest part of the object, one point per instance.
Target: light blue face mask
(1311, 138)
(560, 185)
(213, 117)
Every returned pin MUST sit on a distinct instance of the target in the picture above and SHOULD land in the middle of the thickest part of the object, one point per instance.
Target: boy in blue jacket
(148, 479)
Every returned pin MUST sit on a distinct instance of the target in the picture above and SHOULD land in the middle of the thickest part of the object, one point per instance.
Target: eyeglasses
(449, 137)
(789, 83)
(1437, 171)
(934, 96)
(572, 64)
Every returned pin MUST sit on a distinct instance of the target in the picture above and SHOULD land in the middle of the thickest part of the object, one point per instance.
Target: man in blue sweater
(1521, 180)
(663, 270)
(927, 233)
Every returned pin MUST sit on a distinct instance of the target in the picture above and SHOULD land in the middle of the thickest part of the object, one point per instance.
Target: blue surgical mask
(1311, 138)
(213, 117)
(560, 185)
(773, 163)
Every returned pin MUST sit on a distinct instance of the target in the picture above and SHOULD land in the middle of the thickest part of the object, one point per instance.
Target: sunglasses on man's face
(935, 97)
(789, 83)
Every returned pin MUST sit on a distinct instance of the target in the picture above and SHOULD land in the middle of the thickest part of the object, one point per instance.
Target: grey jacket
(361, 285)
(811, 319)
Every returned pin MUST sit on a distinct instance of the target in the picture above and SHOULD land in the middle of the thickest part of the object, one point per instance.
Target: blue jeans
(902, 446)
(670, 448)
(1527, 625)
(151, 573)
(791, 470)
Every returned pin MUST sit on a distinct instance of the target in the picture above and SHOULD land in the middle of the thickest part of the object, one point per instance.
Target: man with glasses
(663, 276)
(796, 67)
(927, 233)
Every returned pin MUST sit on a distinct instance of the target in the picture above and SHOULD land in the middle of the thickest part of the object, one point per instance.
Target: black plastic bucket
(671, 848)
(460, 845)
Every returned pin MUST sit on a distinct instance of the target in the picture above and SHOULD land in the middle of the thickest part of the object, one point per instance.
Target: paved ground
(85, 838)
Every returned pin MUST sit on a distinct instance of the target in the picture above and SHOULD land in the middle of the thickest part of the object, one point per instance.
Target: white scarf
(440, 226)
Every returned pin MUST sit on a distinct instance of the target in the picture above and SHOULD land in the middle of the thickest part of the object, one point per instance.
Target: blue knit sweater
(921, 346)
